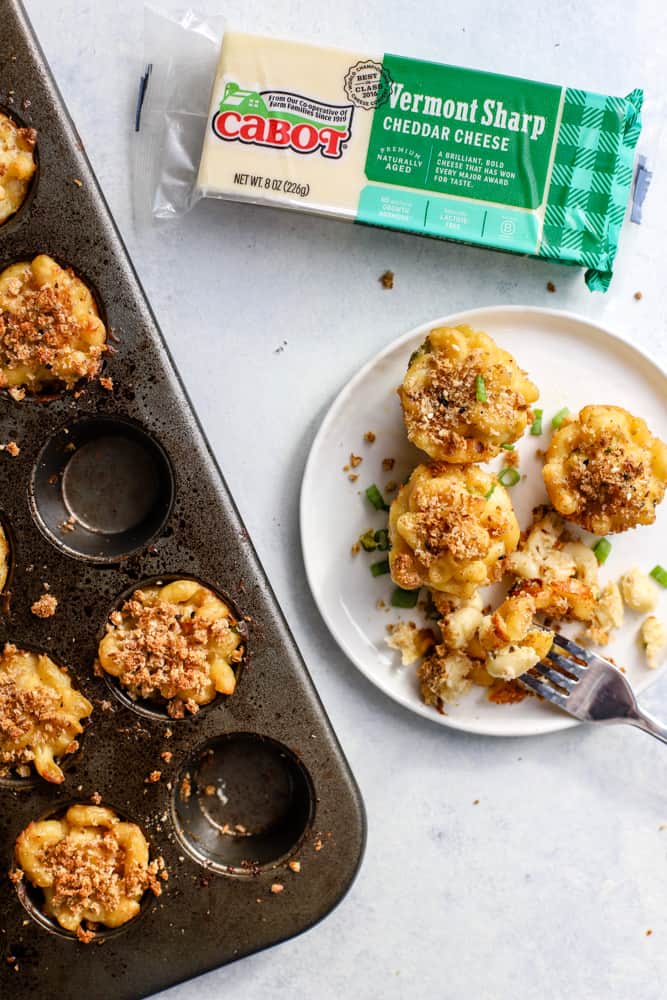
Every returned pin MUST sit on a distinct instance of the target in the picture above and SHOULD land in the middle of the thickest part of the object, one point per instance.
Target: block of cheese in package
(431, 149)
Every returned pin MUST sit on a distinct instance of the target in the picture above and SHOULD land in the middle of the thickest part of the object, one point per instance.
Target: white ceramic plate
(574, 362)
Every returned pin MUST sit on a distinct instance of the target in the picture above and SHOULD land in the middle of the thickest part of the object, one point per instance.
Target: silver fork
(589, 687)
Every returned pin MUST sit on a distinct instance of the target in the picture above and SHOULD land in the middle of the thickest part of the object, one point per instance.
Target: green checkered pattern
(590, 182)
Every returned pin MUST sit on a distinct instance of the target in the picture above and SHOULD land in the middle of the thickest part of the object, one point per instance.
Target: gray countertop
(547, 886)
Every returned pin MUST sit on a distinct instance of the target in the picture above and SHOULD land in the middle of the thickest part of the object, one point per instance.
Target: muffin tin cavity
(102, 489)
(6, 554)
(156, 708)
(32, 897)
(16, 216)
(241, 803)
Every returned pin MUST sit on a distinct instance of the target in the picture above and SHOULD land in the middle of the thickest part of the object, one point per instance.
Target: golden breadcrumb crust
(450, 528)
(463, 397)
(605, 471)
(50, 332)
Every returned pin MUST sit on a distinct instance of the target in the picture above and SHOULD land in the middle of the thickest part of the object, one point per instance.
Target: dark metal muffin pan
(267, 780)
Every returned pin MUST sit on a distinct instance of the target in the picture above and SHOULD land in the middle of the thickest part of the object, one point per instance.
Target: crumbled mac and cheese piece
(50, 332)
(638, 591)
(607, 615)
(40, 713)
(561, 576)
(4, 558)
(17, 165)
(450, 528)
(509, 638)
(460, 623)
(605, 471)
(653, 634)
(411, 642)
(510, 662)
(444, 676)
(90, 865)
(463, 397)
(179, 642)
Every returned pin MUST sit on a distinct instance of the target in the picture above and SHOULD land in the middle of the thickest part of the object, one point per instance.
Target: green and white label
(464, 133)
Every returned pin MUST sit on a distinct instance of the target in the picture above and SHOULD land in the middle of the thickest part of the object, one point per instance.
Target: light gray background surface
(545, 889)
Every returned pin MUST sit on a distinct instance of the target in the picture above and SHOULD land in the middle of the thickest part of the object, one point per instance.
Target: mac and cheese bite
(50, 332)
(41, 713)
(4, 558)
(450, 528)
(605, 471)
(17, 165)
(177, 642)
(463, 397)
(90, 865)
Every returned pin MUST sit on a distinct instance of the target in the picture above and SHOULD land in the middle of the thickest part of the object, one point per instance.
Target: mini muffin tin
(111, 489)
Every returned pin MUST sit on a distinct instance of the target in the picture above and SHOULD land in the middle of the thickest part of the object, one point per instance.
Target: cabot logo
(281, 120)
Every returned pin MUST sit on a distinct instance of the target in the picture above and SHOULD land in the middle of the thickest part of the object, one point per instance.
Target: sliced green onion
(376, 498)
(509, 476)
(536, 426)
(602, 548)
(480, 389)
(367, 541)
(659, 575)
(487, 496)
(404, 598)
(559, 418)
(380, 568)
(381, 539)
(507, 447)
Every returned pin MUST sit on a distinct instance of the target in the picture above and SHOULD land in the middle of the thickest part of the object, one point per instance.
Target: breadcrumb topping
(45, 606)
(162, 647)
(92, 876)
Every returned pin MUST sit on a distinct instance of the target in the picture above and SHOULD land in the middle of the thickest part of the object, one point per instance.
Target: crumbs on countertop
(107, 383)
(11, 448)
(387, 279)
(550, 286)
(388, 464)
(638, 296)
(369, 437)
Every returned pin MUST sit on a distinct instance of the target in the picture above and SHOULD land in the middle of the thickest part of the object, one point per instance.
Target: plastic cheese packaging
(417, 146)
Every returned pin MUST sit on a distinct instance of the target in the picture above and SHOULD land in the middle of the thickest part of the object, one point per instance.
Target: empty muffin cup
(102, 489)
(242, 803)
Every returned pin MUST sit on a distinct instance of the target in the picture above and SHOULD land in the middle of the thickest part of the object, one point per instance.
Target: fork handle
(642, 720)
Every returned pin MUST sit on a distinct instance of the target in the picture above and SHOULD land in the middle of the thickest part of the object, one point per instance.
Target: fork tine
(565, 663)
(544, 689)
(555, 676)
(573, 648)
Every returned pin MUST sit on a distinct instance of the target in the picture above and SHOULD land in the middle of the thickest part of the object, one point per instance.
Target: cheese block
(431, 149)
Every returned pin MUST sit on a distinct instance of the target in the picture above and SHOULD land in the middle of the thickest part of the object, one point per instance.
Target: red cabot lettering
(224, 122)
(305, 137)
(332, 141)
(302, 137)
(278, 132)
